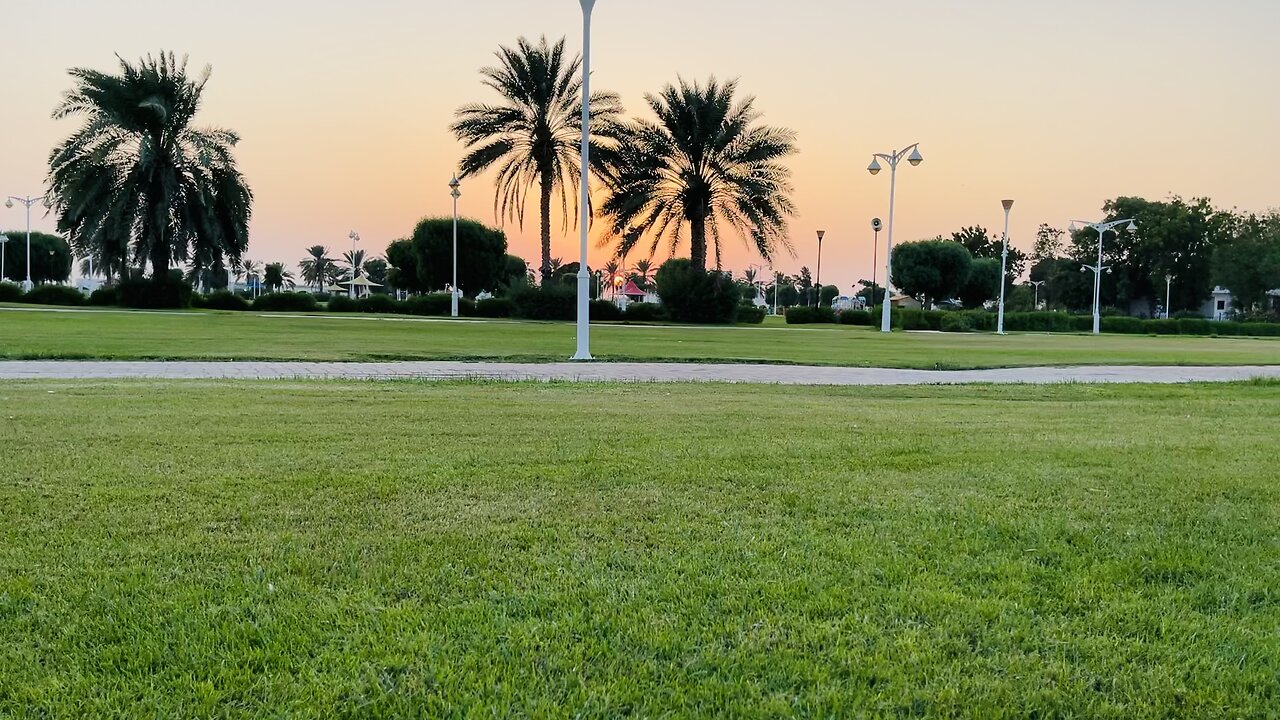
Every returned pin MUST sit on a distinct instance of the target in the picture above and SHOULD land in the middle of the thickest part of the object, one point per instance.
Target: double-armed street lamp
(1035, 304)
(28, 201)
(1102, 228)
(912, 155)
(1004, 259)
(355, 271)
(454, 193)
(583, 351)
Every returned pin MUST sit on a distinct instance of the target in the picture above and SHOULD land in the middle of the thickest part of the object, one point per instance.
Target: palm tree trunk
(545, 210)
(159, 259)
(698, 243)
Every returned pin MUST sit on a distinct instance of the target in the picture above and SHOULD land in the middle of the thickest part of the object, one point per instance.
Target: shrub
(54, 295)
(157, 292)
(750, 313)
(1188, 315)
(285, 301)
(1257, 329)
(857, 317)
(694, 296)
(546, 302)
(343, 304)
(1122, 325)
(1227, 328)
(983, 320)
(378, 304)
(604, 310)
(10, 292)
(1160, 327)
(223, 300)
(956, 322)
(911, 319)
(804, 315)
(105, 296)
(644, 312)
(1040, 321)
(495, 307)
(435, 304)
(1195, 326)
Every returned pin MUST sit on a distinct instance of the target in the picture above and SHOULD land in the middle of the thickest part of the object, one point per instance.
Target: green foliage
(343, 304)
(156, 292)
(828, 294)
(808, 315)
(1195, 326)
(1125, 325)
(482, 255)
(285, 301)
(1044, 321)
(913, 319)
(862, 318)
(644, 312)
(434, 304)
(604, 310)
(532, 136)
(10, 292)
(496, 307)
(1160, 327)
(138, 180)
(692, 295)
(982, 284)
(50, 257)
(1248, 263)
(104, 296)
(788, 295)
(872, 294)
(224, 300)
(379, 303)
(54, 295)
(957, 321)
(704, 168)
(546, 302)
(930, 269)
(750, 314)
(276, 278)
(402, 270)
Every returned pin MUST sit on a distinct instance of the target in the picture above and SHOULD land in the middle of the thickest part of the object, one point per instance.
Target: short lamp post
(912, 155)
(455, 193)
(1168, 293)
(817, 297)
(1101, 228)
(875, 259)
(1035, 304)
(28, 201)
(1004, 260)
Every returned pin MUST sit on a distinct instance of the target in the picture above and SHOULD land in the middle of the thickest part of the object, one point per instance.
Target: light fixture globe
(1072, 227)
(873, 168)
(1133, 227)
(821, 234)
(1007, 204)
(915, 158)
(8, 203)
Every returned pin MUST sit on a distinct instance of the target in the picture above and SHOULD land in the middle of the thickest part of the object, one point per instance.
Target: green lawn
(220, 336)
(298, 549)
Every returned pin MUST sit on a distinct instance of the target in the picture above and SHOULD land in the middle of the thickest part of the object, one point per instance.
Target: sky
(343, 108)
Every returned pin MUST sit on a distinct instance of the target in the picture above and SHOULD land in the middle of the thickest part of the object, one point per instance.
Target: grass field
(297, 549)
(133, 335)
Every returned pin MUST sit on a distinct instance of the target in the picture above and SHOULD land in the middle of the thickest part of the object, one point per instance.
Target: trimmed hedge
(549, 302)
(495, 307)
(644, 312)
(10, 292)
(286, 301)
(957, 322)
(603, 310)
(856, 317)
(155, 293)
(343, 304)
(53, 295)
(107, 296)
(750, 313)
(434, 305)
(379, 304)
(223, 300)
(803, 315)
(1195, 326)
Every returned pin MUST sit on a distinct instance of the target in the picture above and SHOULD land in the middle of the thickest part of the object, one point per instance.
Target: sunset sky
(344, 107)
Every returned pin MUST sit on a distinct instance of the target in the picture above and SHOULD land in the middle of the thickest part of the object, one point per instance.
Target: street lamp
(583, 351)
(455, 193)
(1035, 304)
(1168, 287)
(875, 259)
(1004, 259)
(915, 158)
(4, 240)
(817, 297)
(1102, 229)
(28, 201)
(351, 287)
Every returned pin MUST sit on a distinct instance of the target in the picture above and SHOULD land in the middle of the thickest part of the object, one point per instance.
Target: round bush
(856, 317)
(496, 307)
(435, 304)
(105, 296)
(603, 310)
(10, 292)
(644, 312)
(547, 302)
(54, 295)
(695, 296)
(750, 313)
(378, 304)
(343, 304)
(224, 300)
(956, 322)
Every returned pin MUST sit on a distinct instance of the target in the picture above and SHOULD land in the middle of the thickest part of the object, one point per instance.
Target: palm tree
(315, 266)
(276, 278)
(534, 136)
(749, 276)
(614, 276)
(250, 270)
(137, 181)
(643, 272)
(703, 167)
(355, 262)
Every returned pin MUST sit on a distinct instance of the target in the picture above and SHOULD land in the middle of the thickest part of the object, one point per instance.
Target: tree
(515, 272)
(1249, 263)
(1048, 243)
(930, 270)
(276, 278)
(482, 253)
(694, 295)
(983, 283)
(871, 293)
(50, 257)
(402, 270)
(705, 167)
(643, 273)
(354, 260)
(315, 267)
(828, 294)
(785, 288)
(376, 270)
(982, 244)
(252, 271)
(137, 180)
(534, 135)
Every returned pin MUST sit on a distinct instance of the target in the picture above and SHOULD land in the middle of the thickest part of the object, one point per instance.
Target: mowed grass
(384, 550)
(251, 336)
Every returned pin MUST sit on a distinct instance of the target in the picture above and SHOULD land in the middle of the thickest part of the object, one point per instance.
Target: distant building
(904, 302)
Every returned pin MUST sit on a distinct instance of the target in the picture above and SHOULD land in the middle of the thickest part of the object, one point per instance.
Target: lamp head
(1133, 227)
(876, 224)
(8, 203)
(915, 158)
(353, 236)
(453, 183)
(1008, 205)
(873, 168)
(821, 234)
(1072, 228)
(4, 239)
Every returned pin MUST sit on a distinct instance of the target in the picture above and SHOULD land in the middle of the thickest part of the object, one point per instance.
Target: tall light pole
(28, 201)
(1004, 259)
(1102, 229)
(351, 287)
(817, 297)
(893, 159)
(776, 276)
(1035, 304)
(455, 193)
(583, 351)
(4, 240)
(875, 260)
(1168, 289)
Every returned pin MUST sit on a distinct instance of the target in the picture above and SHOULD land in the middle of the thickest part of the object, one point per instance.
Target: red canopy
(630, 290)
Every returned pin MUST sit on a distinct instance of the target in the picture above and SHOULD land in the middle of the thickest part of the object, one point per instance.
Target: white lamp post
(776, 275)
(4, 240)
(1102, 229)
(875, 260)
(1035, 304)
(455, 193)
(583, 351)
(817, 296)
(351, 288)
(1004, 259)
(913, 157)
(28, 202)
(1168, 289)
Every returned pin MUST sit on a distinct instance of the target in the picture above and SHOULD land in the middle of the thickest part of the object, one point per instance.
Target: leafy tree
(1048, 243)
(515, 272)
(703, 168)
(376, 270)
(137, 180)
(482, 253)
(828, 295)
(533, 137)
(354, 260)
(982, 244)
(402, 270)
(1249, 263)
(788, 296)
(315, 267)
(931, 270)
(50, 257)
(983, 283)
(276, 278)
(871, 293)
(691, 294)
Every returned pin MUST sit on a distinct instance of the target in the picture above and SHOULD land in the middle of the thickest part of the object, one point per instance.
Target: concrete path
(620, 372)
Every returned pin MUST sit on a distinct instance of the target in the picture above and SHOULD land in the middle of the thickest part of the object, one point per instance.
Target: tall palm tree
(533, 136)
(251, 272)
(315, 266)
(705, 166)
(137, 182)
(276, 278)
(354, 260)
(614, 277)
(643, 272)
(749, 276)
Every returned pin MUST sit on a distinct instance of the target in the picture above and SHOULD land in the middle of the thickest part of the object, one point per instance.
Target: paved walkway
(621, 372)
